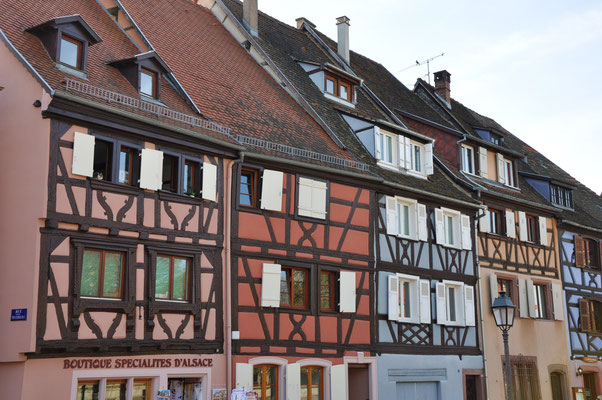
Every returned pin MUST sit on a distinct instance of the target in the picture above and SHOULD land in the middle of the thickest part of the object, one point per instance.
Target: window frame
(532, 228)
(309, 385)
(590, 246)
(542, 291)
(172, 259)
(154, 79)
(500, 224)
(101, 271)
(394, 149)
(338, 82)
(254, 193)
(114, 156)
(290, 285)
(420, 146)
(413, 297)
(81, 44)
(456, 228)
(412, 217)
(561, 196)
(86, 382)
(276, 384)
(180, 161)
(332, 294)
(509, 178)
(459, 308)
(464, 155)
(523, 363)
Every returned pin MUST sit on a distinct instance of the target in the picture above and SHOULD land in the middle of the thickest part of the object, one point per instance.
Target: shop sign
(109, 363)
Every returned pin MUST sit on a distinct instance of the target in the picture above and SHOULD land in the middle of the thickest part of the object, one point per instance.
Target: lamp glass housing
(503, 311)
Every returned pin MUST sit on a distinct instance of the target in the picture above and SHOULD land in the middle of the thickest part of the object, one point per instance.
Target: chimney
(301, 20)
(249, 16)
(442, 85)
(343, 37)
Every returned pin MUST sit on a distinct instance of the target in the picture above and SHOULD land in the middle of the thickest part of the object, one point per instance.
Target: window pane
(416, 161)
(406, 220)
(115, 391)
(189, 172)
(141, 391)
(284, 287)
(451, 301)
(325, 289)
(299, 288)
(245, 190)
(257, 379)
(112, 275)
(389, 149)
(147, 83)
(125, 167)
(87, 391)
(90, 273)
(330, 86)
(162, 279)
(449, 229)
(180, 279)
(102, 160)
(344, 94)
(170, 169)
(69, 53)
(406, 300)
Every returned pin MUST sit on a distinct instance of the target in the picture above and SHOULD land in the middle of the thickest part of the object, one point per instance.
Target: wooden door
(589, 383)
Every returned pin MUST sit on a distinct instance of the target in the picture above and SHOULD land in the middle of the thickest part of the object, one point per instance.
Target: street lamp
(503, 311)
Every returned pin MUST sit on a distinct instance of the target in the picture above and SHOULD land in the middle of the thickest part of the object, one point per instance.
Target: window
(452, 301)
(102, 273)
(331, 84)
(406, 218)
(172, 281)
(592, 259)
(561, 196)
(416, 150)
(265, 382)
(113, 155)
(408, 298)
(170, 173)
(508, 173)
(540, 293)
(248, 188)
(312, 198)
(345, 91)
(524, 377)
(103, 160)
(532, 229)
(294, 287)
(327, 279)
(70, 52)
(126, 165)
(495, 139)
(590, 315)
(507, 286)
(141, 390)
(191, 178)
(468, 159)
(338, 87)
(387, 149)
(87, 390)
(448, 229)
(495, 221)
(455, 304)
(148, 82)
(312, 383)
(115, 389)
(453, 229)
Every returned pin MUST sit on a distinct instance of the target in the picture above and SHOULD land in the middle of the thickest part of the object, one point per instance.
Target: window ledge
(178, 197)
(99, 184)
(72, 71)
(149, 99)
(338, 100)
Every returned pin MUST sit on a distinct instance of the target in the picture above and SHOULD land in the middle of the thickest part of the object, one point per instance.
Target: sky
(533, 66)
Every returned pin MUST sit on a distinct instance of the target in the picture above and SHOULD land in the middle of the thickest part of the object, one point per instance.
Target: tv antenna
(428, 65)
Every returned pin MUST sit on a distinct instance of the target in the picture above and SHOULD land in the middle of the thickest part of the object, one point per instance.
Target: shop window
(265, 382)
(71, 52)
(141, 389)
(312, 383)
(172, 281)
(248, 190)
(116, 390)
(294, 287)
(87, 390)
(102, 273)
(327, 279)
(185, 388)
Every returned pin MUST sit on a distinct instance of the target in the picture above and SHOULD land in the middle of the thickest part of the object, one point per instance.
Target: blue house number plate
(18, 314)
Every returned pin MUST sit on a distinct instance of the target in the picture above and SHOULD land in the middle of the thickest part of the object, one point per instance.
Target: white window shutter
(151, 169)
(493, 287)
(557, 301)
(483, 162)
(501, 177)
(393, 309)
(347, 291)
(209, 190)
(531, 298)
(543, 231)
(484, 225)
(510, 224)
(428, 159)
(408, 151)
(425, 301)
(293, 381)
(441, 304)
(270, 285)
(318, 199)
(422, 222)
(271, 190)
(377, 144)
(244, 376)
(391, 217)
(522, 226)
(304, 197)
(83, 154)
(469, 312)
(401, 152)
(338, 382)
(466, 237)
(439, 227)
(523, 306)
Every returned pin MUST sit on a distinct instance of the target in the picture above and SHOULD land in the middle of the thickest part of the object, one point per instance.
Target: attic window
(339, 88)
(143, 71)
(71, 52)
(561, 196)
(148, 82)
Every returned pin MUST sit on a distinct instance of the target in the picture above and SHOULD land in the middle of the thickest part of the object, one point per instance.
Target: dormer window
(561, 196)
(148, 82)
(336, 84)
(144, 72)
(401, 152)
(505, 171)
(71, 52)
(338, 87)
(468, 159)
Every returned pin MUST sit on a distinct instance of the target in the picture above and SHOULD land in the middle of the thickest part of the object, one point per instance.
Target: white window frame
(412, 168)
(458, 288)
(414, 285)
(400, 202)
(380, 136)
(509, 178)
(465, 149)
(455, 217)
(416, 218)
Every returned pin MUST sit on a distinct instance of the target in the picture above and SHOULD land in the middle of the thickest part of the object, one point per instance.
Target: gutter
(26, 64)
(480, 282)
(577, 225)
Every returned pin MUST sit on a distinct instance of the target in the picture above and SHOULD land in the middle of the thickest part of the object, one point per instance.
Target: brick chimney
(301, 20)
(343, 38)
(442, 85)
(249, 16)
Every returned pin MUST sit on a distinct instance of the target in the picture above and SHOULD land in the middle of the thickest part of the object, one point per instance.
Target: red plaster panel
(304, 255)
(212, 227)
(210, 333)
(52, 326)
(332, 259)
(342, 192)
(328, 329)
(361, 217)
(360, 333)
(206, 281)
(277, 252)
(62, 249)
(339, 212)
(286, 327)
(149, 213)
(356, 242)
(246, 349)
(61, 276)
(358, 262)
(245, 297)
(252, 226)
(305, 351)
(334, 237)
(276, 349)
(251, 324)
(363, 307)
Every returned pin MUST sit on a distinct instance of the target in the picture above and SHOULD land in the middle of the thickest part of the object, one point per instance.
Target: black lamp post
(503, 311)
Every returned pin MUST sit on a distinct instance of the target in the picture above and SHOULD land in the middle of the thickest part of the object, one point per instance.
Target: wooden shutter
(293, 381)
(408, 148)
(83, 154)
(579, 252)
(338, 382)
(531, 298)
(500, 168)
(439, 226)
(466, 237)
(318, 199)
(244, 376)
(421, 220)
(510, 224)
(401, 151)
(428, 159)
(209, 191)
(523, 305)
(393, 309)
(270, 285)
(271, 190)
(425, 301)
(483, 162)
(441, 304)
(347, 291)
(585, 316)
(151, 169)
(493, 287)
(469, 310)
(305, 197)
(543, 231)
(377, 145)
(484, 225)
(522, 226)
(557, 301)
(391, 204)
